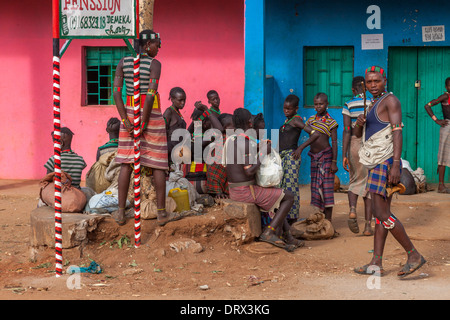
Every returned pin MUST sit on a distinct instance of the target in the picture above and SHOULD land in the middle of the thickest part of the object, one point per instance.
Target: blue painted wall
(289, 26)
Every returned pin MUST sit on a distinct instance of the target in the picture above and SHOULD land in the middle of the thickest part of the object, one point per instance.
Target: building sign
(372, 41)
(97, 19)
(433, 33)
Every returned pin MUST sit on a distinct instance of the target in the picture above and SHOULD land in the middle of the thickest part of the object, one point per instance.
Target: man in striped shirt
(71, 162)
(350, 147)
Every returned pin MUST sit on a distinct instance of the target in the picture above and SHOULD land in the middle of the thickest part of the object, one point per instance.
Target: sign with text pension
(98, 19)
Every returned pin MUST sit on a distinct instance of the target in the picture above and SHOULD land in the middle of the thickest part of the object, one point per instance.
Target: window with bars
(100, 65)
(328, 70)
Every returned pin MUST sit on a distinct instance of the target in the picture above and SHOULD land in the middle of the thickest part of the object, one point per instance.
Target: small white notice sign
(433, 33)
(372, 41)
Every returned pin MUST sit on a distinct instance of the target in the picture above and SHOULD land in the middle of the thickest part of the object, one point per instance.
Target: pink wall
(202, 49)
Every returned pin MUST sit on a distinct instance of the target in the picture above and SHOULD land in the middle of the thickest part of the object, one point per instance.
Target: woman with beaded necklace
(172, 116)
(153, 146)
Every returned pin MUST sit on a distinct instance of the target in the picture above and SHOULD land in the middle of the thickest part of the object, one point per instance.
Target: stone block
(247, 218)
(75, 227)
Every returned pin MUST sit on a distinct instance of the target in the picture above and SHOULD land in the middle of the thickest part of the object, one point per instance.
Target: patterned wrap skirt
(357, 171)
(444, 146)
(322, 180)
(153, 141)
(377, 180)
(291, 170)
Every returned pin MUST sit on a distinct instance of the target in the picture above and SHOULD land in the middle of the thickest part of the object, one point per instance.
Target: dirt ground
(323, 269)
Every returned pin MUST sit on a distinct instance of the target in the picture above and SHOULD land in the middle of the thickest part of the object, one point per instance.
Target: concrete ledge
(75, 227)
(248, 217)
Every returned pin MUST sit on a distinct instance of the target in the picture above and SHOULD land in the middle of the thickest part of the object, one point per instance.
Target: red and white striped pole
(57, 138)
(137, 152)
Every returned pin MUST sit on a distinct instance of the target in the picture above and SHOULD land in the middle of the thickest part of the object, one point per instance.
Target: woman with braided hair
(153, 139)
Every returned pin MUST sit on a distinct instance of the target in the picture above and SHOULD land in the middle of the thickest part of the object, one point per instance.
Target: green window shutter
(101, 65)
(328, 70)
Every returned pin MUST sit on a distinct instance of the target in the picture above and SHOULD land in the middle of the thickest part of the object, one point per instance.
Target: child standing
(214, 101)
(173, 118)
(289, 134)
(323, 156)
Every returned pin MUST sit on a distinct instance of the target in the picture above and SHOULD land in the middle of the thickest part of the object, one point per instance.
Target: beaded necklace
(177, 112)
(286, 122)
(113, 140)
(375, 99)
(323, 118)
(249, 137)
(218, 112)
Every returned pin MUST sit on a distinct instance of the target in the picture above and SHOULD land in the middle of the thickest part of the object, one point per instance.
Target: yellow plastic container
(181, 197)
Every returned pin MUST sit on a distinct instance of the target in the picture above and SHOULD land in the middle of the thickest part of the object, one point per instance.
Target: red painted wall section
(202, 49)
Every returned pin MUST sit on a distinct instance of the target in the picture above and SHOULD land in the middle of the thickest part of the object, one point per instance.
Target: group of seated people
(218, 179)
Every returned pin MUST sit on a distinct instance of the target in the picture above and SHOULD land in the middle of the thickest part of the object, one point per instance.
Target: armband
(204, 115)
(126, 122)
(144, 126)
(151, 92)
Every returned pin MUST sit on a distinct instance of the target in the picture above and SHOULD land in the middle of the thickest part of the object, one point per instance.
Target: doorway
(416, 76)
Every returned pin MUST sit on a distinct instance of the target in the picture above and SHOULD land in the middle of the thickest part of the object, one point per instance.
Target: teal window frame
(329, 70)
(100, 69)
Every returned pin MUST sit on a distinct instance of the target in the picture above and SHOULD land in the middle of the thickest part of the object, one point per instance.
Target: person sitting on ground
(323, 156)
(241, 157)
(112, 128)
(95, 177)
(71, 163)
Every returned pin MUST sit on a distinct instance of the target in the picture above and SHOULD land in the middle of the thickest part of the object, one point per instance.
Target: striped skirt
(291, 170)
(153, 141)
(322, 180)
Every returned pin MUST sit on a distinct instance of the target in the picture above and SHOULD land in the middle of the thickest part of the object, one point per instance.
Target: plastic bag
(270, 172)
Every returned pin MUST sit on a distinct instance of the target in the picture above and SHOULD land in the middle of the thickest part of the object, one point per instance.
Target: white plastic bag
(270, 172)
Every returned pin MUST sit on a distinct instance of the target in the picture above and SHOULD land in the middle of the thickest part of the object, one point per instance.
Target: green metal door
(416, 76)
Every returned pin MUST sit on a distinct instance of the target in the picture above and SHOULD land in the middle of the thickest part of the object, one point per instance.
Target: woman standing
(153, 144)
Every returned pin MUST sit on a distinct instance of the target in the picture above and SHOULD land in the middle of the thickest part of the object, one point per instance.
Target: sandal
(174, 216)
(353, 222)
(277, 242)
(291, 240)
(373, 270)
(409, 268)
(445, 190)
